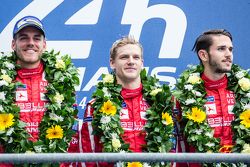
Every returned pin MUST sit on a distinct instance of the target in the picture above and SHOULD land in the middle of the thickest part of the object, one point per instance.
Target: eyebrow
(24, 35)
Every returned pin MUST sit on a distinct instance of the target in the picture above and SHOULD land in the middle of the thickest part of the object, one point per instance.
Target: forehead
(29, 30)
(129, 49)
(221, 40)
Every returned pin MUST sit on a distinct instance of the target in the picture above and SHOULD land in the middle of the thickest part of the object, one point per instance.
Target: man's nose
(31, 42)
(131, 59)
(229, 52)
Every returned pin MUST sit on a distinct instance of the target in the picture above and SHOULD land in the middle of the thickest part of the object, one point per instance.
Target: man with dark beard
(207, 110)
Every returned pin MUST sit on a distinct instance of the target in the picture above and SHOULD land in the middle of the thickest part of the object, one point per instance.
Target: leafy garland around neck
(190, 92)
(56, 126)
(107, 106)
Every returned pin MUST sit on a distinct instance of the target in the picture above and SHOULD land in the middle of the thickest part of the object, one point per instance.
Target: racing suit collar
(131, 93)
(27, 73)
(210, 84)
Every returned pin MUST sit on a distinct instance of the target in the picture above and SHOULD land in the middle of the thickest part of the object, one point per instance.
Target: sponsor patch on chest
(210, 108)
(21, 95)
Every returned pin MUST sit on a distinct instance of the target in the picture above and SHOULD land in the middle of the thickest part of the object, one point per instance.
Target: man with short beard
(215, 51)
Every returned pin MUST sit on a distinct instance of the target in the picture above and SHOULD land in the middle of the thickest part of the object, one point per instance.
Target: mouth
(130, 69)
(30, 51)
(227, 61)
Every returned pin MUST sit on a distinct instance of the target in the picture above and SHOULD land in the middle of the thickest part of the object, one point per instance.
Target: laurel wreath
(62, 78)
(190, 92)
(159, 130)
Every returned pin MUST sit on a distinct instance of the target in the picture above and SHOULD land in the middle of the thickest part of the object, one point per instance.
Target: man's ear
(13, 44)
(203, 55)
(111, 64)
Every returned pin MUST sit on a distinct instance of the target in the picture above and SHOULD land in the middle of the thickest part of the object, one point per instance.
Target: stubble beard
(217, 67)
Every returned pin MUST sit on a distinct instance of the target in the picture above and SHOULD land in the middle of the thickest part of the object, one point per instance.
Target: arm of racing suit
(181, 143)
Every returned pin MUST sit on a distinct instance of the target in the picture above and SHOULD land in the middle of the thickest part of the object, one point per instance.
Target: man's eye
(23, 38)
(37, 39)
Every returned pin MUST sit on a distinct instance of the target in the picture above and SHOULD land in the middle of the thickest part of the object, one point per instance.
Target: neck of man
(213, 75)
(134, 84)
(28, 65)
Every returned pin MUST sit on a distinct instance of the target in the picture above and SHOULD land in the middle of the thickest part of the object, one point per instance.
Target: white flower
(106, 92)
(146, 165)
(246, 148)
(197, 93)
(105, 119)
(107, 128)
(244, 84)
(1, 108)
(240, 74)
(122, 151)
(116, 143)
(6, 78)
(55, 117)
(58, 98)
(108, 78)
(157, 85)
(114, 135)
(10, 131)
(10, 66)
(248, 95)
(198, 131)
(155, 91)
(210, 135)
(60, 64)
(209, 144)
(189, 101)
(3, 71)
(38, 149)
(3, 82)
(10, 139)
(188, 87)
(2, 96)
(247, 106)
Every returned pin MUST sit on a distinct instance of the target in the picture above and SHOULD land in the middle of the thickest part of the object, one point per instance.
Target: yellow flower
(193, 79)
(167, 119)
(245, 117)
(155, 91)
(197, 115)
(246, 148)
(108, 78)
(134, 164)
(244, 84)
(60, 64)
(116, 143)
(6, 120)
(55, 132)
(6, 78)
(108, 108)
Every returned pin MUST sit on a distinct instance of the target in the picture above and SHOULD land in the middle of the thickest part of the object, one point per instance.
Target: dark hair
(204, 41)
